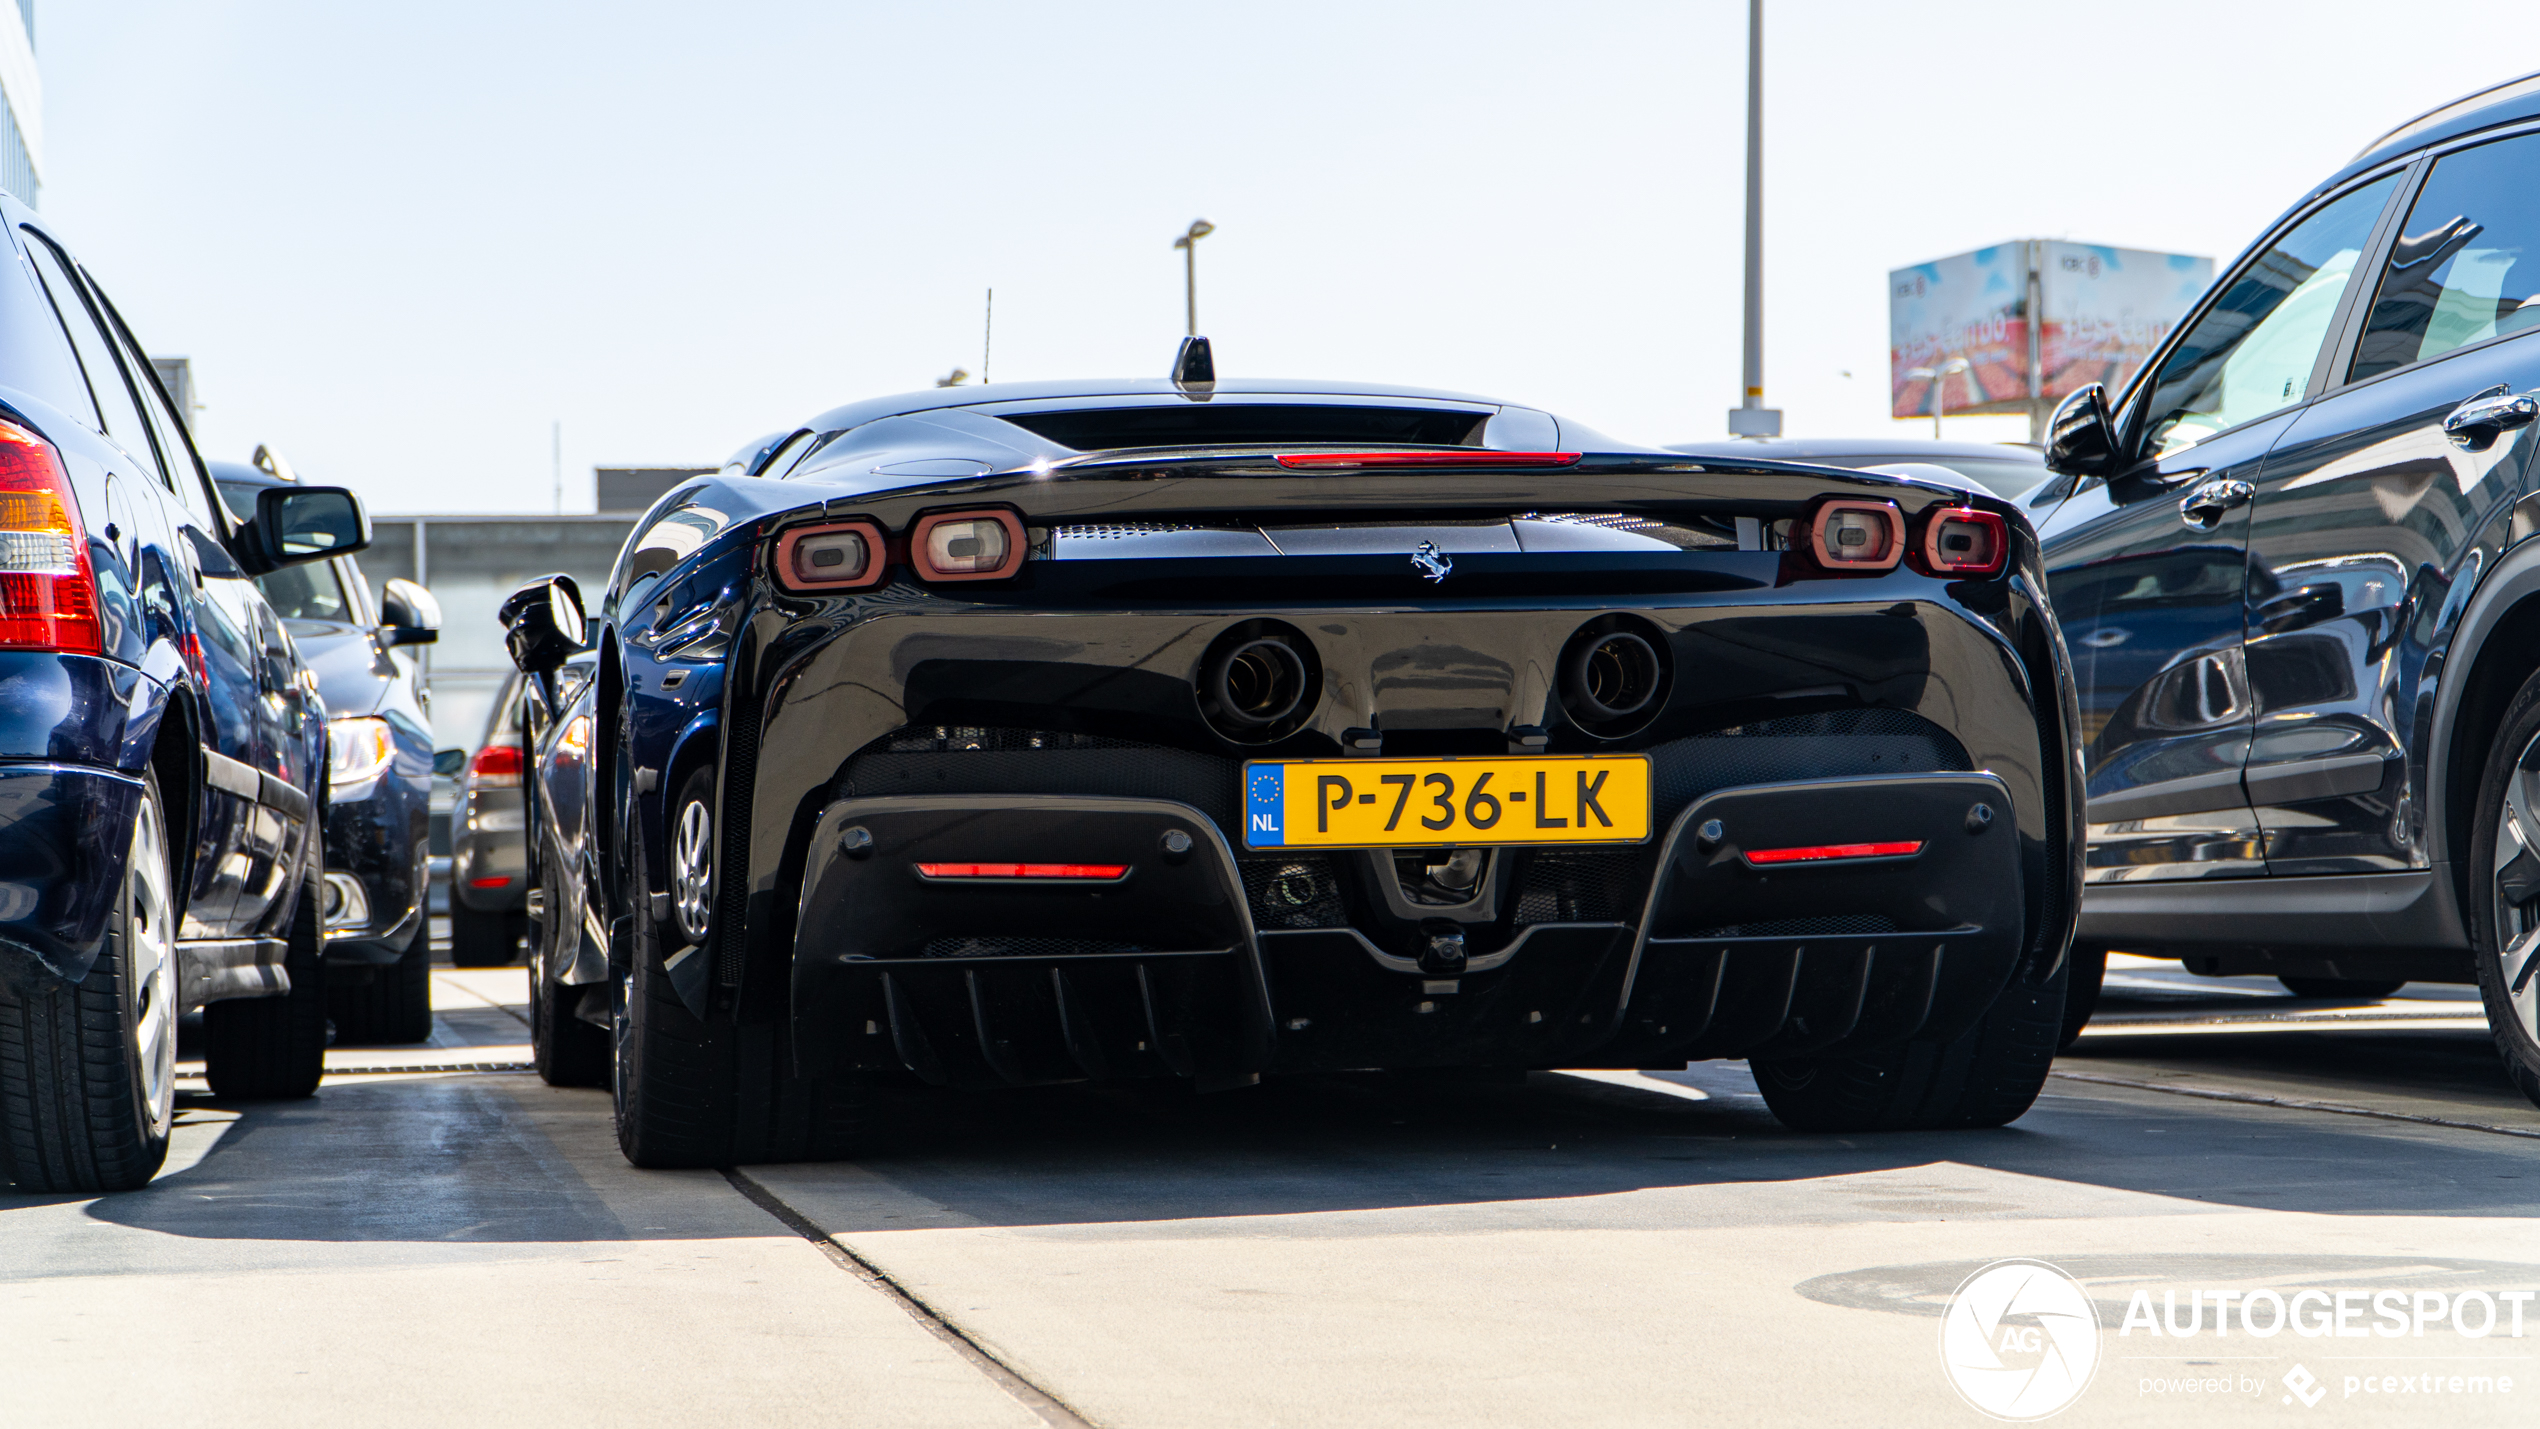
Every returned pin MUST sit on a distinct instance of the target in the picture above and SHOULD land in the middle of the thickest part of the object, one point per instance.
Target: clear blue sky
(399, 240)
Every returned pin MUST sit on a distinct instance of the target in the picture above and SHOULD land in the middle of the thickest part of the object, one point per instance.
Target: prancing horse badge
(1432, 562)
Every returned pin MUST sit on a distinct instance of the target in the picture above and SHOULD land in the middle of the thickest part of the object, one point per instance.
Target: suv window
(2253, 350)
(96, 355)
(2466, 266)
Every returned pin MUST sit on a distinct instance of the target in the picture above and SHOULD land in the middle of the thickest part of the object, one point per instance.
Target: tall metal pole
(558, 452)
(988, 336)
(1190, 288)
(1753, 418)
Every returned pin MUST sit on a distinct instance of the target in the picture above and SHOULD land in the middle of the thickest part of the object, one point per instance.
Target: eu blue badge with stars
(1265, 805)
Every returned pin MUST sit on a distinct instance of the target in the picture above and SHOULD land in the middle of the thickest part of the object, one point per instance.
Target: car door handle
(2203, 508)
(2483, 418)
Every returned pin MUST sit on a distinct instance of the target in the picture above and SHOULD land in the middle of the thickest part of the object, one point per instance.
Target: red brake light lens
(496, 766)
(1477, 457)
(967, 545)
(1962, 541)
(1832, 853)
(1857, 535)
(1094, 872)
(848, 555)
(48, 590)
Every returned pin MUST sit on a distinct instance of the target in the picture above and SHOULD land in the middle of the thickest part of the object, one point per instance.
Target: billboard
(2105, 310)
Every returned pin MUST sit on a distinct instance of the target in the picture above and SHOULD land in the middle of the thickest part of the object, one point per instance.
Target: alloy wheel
(2516, 890)
(692, 869)
(150, 967)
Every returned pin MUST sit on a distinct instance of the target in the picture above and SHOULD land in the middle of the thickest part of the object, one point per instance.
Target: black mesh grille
(1022, 947)
(1293, 892)
(1804, 927)
(1604, 886)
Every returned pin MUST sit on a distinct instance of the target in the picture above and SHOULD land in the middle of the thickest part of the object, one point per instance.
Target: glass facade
(17, 163)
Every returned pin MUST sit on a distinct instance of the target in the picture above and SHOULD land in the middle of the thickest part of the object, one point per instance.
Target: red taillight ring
(1965, 515)
(876, 562)
(1826, 557)
(917, 553)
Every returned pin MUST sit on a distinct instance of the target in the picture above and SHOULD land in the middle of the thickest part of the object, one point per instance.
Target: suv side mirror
(293, 524)
(542, 623)
(2081, 439)
(408, 615)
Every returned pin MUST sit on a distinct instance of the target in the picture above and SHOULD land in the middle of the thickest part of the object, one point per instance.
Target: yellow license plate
(1420, 803)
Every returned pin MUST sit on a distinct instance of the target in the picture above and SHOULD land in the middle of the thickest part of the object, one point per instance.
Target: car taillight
(1308, 461)
(48, 591)
(1089, 872)
(496, 766)
(845, 556)
(1857, 535)
(1962, 541)
(967, 545)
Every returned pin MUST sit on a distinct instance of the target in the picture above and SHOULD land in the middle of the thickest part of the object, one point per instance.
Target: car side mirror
(449, 763)
(294, 524)
(542, 623)
(408, 615)
(2081, 439)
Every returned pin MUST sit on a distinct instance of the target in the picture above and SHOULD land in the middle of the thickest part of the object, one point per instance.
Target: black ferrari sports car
(1215, 730)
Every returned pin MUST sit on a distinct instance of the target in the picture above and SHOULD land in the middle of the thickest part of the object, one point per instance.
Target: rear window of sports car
(1111, 428)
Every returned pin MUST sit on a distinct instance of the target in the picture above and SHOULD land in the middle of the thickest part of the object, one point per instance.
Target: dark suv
(2294, 566)
(163, 750)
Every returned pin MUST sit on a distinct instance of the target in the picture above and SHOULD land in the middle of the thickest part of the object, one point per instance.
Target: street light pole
(1189, 244)
(1752, 418)
(1939, 379)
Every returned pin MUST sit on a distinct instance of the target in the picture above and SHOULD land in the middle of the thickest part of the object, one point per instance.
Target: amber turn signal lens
(967, 545)
(843, 556)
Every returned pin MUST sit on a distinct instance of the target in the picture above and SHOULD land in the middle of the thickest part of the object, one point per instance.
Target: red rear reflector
(489, 883)
(1823, 853)
(1962, 541)
(48, 591)
(496, 766)
(1024, 870)
(1454, 458)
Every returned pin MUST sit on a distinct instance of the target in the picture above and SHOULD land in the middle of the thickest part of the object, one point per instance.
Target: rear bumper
(65, 832)
(1167, 971)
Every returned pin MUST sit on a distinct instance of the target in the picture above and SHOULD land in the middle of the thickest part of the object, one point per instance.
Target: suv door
(2148, 568)
(2378, 510)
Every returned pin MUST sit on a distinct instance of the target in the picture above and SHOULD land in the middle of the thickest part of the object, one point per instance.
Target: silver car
(489, 859)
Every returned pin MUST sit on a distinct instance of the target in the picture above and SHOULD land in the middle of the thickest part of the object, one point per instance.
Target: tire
(1985, 1076)
(274, 1048)
(88, 1071)
(568, 1051)
(2081, 993)
(2503, 904)
(484, 940)
(2345, 989)
(703, 1091)
(393, 1009)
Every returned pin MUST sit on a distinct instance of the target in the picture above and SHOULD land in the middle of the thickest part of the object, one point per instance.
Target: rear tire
(1985, 1076)
(484, 940)
(2081, 993)
(704, 1091)
(274, 1048)
(394, 1009)
(88, 1070)
(2503, 902)
(2347, 989)
(568, 1051)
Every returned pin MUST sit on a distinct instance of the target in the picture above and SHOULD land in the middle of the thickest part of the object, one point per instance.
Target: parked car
(2293, 564)
(2008, 470)
(1211, 729)
(379, 742)
(489, 847)
(569, 1011)
(163, 750)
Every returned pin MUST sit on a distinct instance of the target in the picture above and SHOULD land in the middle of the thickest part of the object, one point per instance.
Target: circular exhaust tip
(1257, 683)
(1614, 676)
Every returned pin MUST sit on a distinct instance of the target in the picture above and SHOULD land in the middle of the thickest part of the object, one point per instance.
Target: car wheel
(2081, 993)
(568, 1051)
(1985, 1076)
(274, 1048)
(88, 1072)
(482, 940)
(393, 1009)
(704, 1091)
(2504, 901)
(2345, 989)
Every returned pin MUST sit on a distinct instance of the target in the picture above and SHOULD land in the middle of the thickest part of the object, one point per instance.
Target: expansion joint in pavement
(2219, 1094)
(1052, 1410)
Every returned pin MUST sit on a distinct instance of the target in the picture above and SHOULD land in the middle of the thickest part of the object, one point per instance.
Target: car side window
(96, 355)
(2252, 352)
(2466, 265)
(155, 407)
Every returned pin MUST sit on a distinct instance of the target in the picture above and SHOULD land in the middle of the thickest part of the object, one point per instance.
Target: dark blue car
(163, 750)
